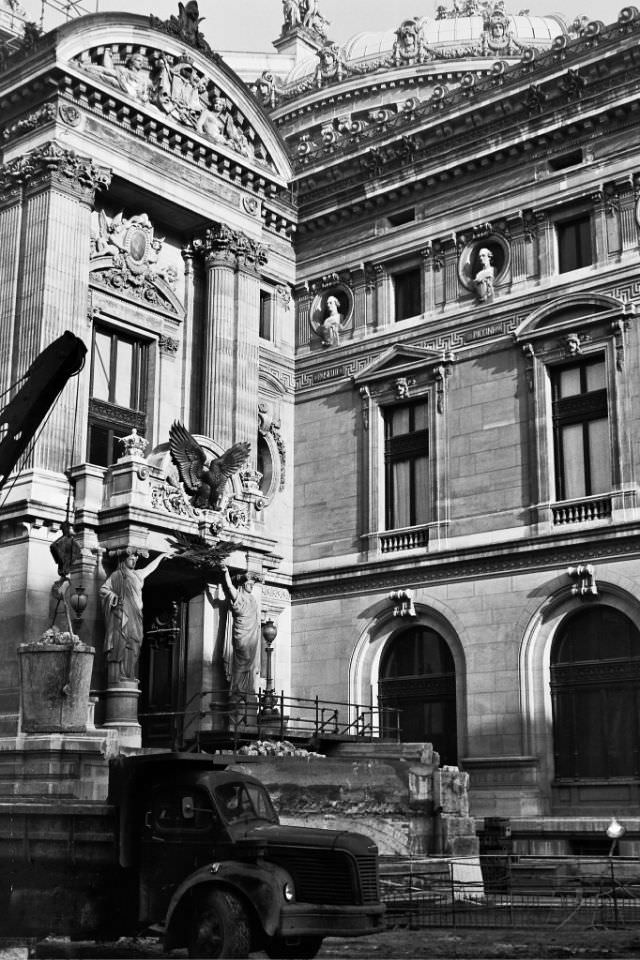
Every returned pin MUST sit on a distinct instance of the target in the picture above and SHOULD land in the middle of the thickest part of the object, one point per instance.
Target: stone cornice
(508, 559)
(434, 169)
(568, 71)
(51, 165)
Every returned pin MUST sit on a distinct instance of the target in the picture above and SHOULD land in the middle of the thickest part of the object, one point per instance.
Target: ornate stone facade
(423, 241)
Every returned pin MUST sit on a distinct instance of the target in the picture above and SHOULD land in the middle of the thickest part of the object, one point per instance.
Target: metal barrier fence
(512, 891)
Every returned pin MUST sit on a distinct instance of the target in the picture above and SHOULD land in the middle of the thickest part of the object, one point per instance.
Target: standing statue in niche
(329, 328)
(245, 640)
(484, 278)
(121, 597)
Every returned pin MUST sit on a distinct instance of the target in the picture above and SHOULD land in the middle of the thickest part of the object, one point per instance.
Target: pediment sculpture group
(178, 89)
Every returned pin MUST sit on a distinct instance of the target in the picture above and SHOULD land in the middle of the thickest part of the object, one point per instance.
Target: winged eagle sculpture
(204, 482)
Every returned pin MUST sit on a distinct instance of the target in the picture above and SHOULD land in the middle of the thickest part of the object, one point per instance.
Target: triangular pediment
(400, 359)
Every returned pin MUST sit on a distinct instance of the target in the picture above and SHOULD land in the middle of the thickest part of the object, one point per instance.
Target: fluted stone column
(10, 228)
(247, 354)
(628, 225)
(230, 366)
(218, 412)
(451, 273)
(53, 287)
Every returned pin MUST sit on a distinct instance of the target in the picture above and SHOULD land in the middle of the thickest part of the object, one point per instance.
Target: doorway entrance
(418, 679)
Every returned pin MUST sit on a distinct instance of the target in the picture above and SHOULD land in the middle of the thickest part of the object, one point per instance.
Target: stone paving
(441, 944)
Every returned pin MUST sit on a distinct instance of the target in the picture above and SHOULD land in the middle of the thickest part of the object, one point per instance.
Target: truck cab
(220, 875)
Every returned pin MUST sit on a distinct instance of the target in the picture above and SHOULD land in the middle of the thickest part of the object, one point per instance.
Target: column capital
(222, 246)
(51, 165)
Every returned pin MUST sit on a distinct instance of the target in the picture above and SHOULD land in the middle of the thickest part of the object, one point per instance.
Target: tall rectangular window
(406, 465)
(575, 248)
(118, 393)
(407, 292)
(266, 316)
(581, 430)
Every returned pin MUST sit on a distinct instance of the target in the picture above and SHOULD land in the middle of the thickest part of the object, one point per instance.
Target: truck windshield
(244, 801)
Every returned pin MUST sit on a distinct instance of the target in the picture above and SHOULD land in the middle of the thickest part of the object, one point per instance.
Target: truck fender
(260, 886)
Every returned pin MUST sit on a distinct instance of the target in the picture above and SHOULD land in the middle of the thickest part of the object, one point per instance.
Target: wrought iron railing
(310, 718)
(511, 891)
(266, 715)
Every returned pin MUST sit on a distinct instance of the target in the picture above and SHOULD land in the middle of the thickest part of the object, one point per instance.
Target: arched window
(418, 678)
(595, 669)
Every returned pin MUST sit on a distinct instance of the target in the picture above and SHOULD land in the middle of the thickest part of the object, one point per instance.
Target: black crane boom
(45, 379)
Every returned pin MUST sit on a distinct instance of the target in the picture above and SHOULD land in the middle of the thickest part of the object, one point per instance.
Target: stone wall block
(451, 791)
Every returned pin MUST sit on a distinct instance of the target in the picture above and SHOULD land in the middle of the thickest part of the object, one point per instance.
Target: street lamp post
(614, 831)
(269, 708)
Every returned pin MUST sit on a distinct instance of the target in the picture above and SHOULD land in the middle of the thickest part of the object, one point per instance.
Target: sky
(254, 24)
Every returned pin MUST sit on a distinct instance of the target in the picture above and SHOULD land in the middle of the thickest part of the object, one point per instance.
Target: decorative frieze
(37, 118)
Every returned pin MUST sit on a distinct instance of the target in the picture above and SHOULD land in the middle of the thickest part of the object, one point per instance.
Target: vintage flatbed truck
(190, 850)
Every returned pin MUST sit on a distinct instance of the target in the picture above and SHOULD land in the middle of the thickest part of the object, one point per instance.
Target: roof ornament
(305, 15)
(186, 26)
(409, 45)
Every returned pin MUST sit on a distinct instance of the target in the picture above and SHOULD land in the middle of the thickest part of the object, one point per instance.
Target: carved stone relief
(124, 256)
(175, 87)
(52, 163)
(409, 45)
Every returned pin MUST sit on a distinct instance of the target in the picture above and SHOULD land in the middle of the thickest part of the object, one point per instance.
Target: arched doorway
(595, 669)
(418, 677)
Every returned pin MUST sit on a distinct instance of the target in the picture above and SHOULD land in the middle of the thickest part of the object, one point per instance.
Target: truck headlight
(288, 892)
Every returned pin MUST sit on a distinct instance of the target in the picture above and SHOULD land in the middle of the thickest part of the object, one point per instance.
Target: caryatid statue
(121, 597)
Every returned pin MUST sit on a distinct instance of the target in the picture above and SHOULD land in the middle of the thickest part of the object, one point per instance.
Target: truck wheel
(220, 927)
(305, 948)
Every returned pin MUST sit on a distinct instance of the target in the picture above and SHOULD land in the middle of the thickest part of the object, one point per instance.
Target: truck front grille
(368, 870)
(331, 877)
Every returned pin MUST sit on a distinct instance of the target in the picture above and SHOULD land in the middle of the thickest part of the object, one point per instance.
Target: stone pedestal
(121, 711)
(70, 766)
